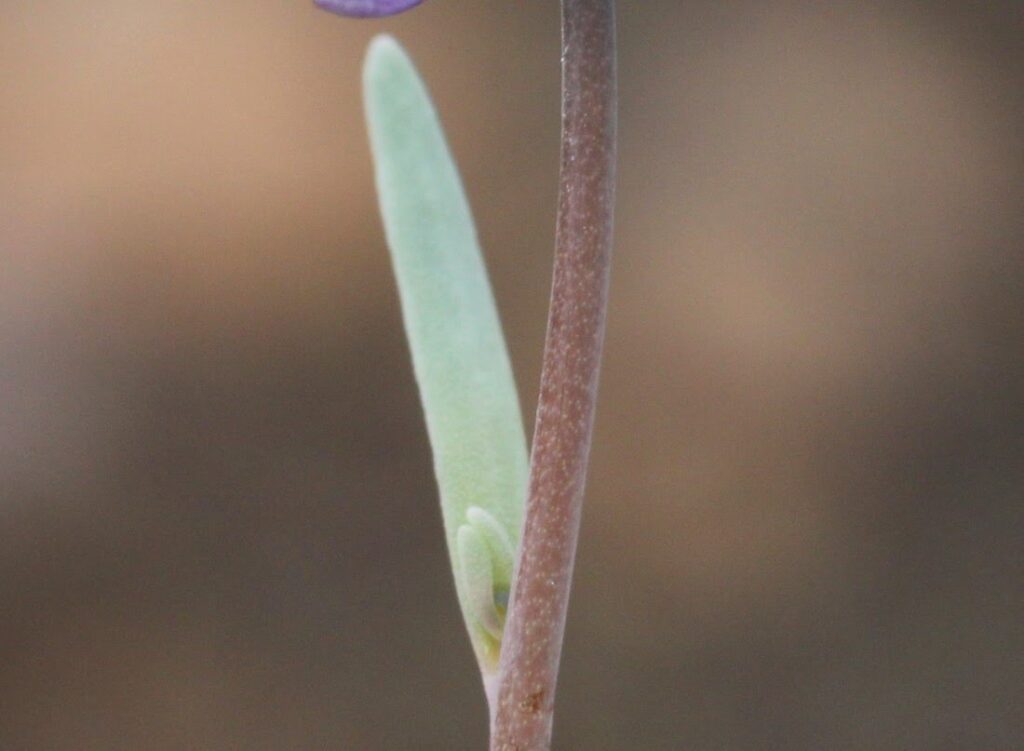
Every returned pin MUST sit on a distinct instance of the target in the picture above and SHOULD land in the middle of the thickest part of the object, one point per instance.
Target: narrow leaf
(458, 350)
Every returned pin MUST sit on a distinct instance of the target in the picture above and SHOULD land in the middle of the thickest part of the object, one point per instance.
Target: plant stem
(532, 643)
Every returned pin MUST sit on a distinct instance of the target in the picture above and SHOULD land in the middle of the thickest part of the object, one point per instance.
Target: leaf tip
(386, 68)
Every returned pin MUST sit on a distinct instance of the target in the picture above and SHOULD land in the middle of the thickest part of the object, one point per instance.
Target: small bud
(500, 545)
(476, 569)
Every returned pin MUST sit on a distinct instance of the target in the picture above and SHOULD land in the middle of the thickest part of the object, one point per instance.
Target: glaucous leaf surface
(458, 350)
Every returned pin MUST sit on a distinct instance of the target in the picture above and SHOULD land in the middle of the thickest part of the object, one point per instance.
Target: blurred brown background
(218, 523)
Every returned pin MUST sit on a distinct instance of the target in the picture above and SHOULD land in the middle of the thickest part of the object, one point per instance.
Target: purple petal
(367, 8)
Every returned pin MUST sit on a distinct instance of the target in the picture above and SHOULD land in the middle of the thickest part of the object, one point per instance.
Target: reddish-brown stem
(532, 644)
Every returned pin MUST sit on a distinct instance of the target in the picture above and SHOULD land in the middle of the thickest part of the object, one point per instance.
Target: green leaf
(458, 350)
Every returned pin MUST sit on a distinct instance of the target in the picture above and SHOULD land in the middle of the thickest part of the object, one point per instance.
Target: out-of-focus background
(218, 522)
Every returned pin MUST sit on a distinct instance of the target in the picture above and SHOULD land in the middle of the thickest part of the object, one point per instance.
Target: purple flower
(367, 8)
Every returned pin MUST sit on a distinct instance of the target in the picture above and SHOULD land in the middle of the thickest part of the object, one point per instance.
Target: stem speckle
(532, 645)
